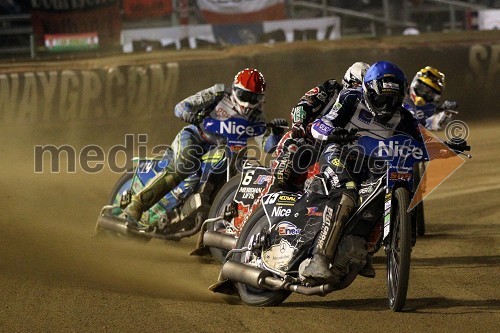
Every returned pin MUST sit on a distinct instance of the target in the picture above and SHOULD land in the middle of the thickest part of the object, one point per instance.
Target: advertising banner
(489, 19)
(77, 17)
(141, 9)
(238, 11)
(194, 36)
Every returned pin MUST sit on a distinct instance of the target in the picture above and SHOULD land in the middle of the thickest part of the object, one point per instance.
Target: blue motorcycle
(182, 211)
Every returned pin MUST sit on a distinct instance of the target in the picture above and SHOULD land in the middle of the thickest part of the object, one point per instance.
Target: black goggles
(248, 96)
(427, 93)
(386, 102)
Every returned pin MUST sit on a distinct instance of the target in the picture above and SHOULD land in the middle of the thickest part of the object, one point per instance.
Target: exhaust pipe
(263, 279)
(249, 275)
(219, 240)
(118, 225)
(320, 290)
(115, 224)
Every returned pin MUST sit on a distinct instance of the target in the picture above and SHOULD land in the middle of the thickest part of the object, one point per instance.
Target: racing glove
(342, 136)
(190, 117)
(278, 126)
(449, 106)
(332, 86)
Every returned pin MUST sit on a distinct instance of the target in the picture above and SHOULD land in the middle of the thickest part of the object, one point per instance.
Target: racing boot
(318, 270)
(368, 271)
(146, 198)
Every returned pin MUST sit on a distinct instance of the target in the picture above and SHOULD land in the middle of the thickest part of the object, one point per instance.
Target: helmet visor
(385, 95)
(385, 103)
(352, 83)
(246, 96)
(427, 93)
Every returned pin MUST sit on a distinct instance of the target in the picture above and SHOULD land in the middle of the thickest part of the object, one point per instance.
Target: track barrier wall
(100, 100)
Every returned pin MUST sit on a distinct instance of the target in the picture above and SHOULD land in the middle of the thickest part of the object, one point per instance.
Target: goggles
(385, 103)
(246, 96)
(427, 93)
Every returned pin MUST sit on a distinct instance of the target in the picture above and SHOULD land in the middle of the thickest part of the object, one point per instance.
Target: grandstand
(22, 35)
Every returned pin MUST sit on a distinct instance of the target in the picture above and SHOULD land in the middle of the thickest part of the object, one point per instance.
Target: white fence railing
(16, 33)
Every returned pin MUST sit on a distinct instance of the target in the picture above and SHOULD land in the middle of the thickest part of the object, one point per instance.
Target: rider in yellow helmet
(425, 91)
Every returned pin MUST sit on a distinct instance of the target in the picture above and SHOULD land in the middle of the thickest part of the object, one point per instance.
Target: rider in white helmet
(313, 105)
(354, 75)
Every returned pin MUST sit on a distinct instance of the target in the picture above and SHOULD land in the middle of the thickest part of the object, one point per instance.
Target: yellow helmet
(427, 86)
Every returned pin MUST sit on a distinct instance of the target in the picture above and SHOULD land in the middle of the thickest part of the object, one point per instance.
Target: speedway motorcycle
(276, 243)
(181, 212)
(232, 206)
(235, 202)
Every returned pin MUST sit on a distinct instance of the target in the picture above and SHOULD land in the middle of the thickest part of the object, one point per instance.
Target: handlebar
(439, 109)
(459, 148)
(271, 125)
(283, 123)
(343, 136)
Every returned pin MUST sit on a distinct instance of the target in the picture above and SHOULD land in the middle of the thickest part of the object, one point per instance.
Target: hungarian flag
(77, 18)
(241, 11)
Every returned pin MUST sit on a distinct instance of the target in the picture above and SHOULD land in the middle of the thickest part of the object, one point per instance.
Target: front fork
(388, 221)
(387, 217)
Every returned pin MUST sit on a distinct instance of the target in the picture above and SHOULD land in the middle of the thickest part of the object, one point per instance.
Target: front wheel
(249, 295)
(222, 199)
(399, 251)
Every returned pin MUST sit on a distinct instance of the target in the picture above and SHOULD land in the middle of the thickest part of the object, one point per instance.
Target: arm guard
(200, 100)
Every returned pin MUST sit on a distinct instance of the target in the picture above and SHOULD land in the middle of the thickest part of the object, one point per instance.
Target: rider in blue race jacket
(244, 100)
(426, 89)
(375, 110)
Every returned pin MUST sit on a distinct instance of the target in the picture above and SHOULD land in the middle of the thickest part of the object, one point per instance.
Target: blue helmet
(384, 88)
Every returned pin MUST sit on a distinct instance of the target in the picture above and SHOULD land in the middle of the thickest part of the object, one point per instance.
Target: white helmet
(353, 77)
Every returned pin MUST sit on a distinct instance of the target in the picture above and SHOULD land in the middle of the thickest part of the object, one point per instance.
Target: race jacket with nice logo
(350, 112)
(217, 103)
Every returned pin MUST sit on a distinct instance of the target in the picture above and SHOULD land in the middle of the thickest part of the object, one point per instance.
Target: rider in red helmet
(244, 99)
(248, 89)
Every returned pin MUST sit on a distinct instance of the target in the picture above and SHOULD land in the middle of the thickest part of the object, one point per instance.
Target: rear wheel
(222, 199)
(249, 295)
(399, 251)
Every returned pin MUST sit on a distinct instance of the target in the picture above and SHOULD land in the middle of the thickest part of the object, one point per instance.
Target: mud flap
(201, 250)
(224, 287)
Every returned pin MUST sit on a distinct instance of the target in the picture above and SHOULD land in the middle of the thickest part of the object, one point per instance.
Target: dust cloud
(48, 235)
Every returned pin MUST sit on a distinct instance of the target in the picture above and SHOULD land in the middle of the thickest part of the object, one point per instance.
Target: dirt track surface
(56, 277)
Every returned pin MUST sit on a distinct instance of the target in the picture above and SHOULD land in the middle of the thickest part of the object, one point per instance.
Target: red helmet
(248, 90)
